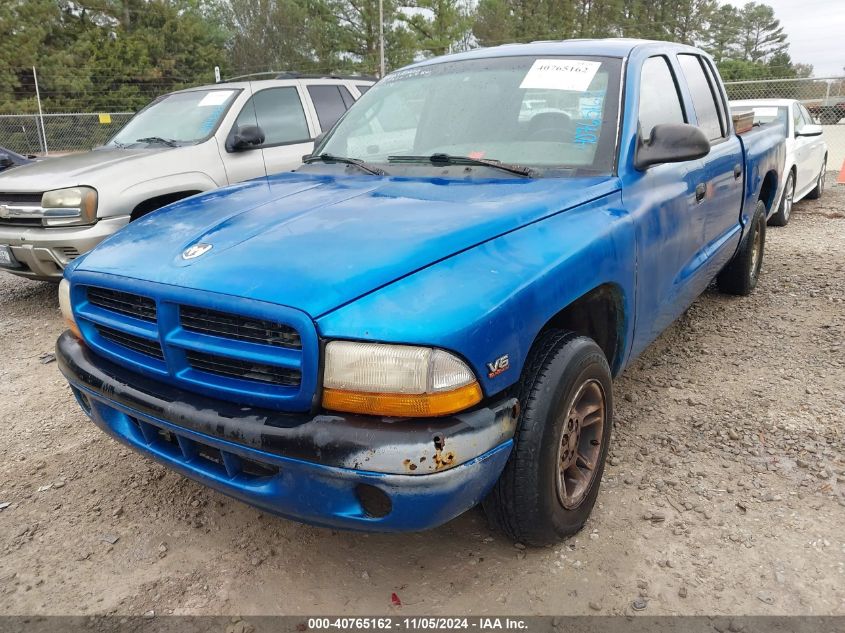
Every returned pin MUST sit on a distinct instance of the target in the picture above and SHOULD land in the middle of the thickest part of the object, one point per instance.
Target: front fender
(494, 299)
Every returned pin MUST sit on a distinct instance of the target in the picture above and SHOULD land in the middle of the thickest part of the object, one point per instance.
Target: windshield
(555, 113)
(178, 118)
(765, 114)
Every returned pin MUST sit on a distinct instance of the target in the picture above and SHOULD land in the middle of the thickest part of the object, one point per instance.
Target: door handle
(737, 172)
(700, 192)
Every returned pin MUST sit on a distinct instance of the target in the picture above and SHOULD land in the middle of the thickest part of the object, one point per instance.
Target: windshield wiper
(157, 139)
(331, 158)
(449, 159)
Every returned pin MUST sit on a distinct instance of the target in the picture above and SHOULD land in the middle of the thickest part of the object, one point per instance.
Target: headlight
(396, 380)
(65, 207)
(64, 306)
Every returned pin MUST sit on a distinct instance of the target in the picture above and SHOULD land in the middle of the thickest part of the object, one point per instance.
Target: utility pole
(381, 36)
(40, 113)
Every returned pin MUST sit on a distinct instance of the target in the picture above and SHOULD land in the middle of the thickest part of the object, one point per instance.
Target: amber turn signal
(417, 405)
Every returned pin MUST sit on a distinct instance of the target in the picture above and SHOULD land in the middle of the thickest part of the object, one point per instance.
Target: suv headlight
(66, 207)
(65, 307)
(396, 380)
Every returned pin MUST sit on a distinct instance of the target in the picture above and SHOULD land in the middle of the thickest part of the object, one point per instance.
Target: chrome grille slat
(125, 303)
(238, 327)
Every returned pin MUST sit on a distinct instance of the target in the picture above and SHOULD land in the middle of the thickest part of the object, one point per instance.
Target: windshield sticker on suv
(560, 74)
(215, 98)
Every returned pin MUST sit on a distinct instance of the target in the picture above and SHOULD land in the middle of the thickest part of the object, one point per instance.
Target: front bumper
(308, 468)
(42, 253)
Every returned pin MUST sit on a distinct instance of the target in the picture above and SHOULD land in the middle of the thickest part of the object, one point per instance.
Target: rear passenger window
(703, 97)
(329, 103)
(279, 114)
(659, 100)
(362, 88)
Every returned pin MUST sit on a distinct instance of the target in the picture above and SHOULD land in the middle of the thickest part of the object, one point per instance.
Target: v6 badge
(498, 366)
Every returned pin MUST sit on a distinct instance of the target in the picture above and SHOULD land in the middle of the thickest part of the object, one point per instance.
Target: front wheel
(785, 209)
(740, 276)
(551, 481)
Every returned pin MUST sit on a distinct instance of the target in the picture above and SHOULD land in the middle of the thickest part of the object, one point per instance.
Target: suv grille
(136, 306)
(238, 327)
(32, 200)
(244, 370)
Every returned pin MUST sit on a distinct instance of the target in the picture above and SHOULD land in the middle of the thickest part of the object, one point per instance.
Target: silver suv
(182, 144)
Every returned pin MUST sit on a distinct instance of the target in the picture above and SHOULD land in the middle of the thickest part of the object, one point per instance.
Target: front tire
(740, 276)
(551, 481)
(781, 218)
(818, 191)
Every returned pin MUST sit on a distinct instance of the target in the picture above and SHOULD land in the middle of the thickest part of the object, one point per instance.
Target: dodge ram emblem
(192, 252)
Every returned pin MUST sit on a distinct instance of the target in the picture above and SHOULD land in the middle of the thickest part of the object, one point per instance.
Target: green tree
(439, 25)
(761, 34)
(721, 39)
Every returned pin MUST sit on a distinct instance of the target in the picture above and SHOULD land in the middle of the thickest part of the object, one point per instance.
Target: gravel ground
(725, 492)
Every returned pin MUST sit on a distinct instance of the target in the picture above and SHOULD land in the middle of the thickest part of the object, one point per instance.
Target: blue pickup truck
(428, 313)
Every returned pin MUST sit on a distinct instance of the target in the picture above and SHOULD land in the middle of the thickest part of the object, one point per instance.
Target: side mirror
(5, 161)
(245, 137)
(671, 143)
(810, 130)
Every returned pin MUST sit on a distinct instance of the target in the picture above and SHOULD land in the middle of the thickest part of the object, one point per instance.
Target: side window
(279, 114)
(328, 102)
(659, 100)
(703, 97)
(362, 88)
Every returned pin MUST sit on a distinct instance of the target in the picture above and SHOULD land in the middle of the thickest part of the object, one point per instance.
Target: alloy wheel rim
(580, 444)
(790, 194)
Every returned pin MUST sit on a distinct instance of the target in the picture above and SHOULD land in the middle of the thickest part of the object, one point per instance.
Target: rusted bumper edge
(379, 445)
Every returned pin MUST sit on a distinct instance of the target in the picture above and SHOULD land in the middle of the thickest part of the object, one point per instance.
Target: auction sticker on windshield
(215, 98)
(561, 74)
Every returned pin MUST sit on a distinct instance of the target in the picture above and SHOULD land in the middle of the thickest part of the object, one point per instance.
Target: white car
(806, 150)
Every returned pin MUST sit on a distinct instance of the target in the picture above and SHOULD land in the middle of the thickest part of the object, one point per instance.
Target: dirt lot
(725, 492)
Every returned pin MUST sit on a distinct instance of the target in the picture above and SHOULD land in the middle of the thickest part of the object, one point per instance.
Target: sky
(816, 30)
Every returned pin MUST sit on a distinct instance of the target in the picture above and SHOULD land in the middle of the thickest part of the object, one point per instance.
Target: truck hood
(317, 242)
(88, 168)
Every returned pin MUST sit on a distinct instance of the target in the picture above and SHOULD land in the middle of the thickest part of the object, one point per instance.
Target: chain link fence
(823, 97)
(70, 132)
(80, 131)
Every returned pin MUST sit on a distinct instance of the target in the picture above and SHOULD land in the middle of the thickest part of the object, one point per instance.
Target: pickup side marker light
(396, 380)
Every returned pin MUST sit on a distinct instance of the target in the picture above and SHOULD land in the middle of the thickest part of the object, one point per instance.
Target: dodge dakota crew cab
(428, 313)
(183, 143)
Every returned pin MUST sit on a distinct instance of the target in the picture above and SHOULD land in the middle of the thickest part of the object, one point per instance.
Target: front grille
(242, 350)
(132, 305)
(130, 341)
(238, 327)
(21, 200)
(244, 370)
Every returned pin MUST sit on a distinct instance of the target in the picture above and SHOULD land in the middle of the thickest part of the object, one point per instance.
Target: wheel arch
(768, 190)
(156, 202)
(598, 314)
